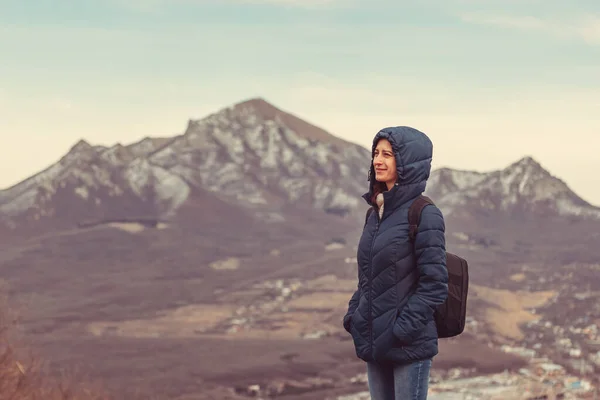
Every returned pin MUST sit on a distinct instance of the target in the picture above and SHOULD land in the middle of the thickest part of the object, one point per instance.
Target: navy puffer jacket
(390, 316)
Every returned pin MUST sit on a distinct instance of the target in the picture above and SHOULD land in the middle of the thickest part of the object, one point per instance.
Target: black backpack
(450, 317)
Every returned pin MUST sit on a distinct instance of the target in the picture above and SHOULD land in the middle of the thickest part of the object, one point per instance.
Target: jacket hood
(413, 151)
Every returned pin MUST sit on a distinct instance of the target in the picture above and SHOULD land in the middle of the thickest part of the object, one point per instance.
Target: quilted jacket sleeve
(432, 289)
(352, 304)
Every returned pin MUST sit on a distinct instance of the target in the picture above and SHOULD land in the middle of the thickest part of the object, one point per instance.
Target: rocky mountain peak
(252, 154)
(253, 151)
(527, 162)
(147, 145)
(265, 111)
(258, 106)
(258, 157)
(524, 184)
(117, 154)
(526, 165)
(447, 180)
(81, 146)
(80, 150)
(527, 178)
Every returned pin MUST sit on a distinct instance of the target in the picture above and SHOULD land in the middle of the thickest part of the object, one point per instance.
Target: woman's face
(384, 163)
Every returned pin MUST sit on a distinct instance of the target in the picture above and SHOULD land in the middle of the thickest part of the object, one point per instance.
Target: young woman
(390, 316)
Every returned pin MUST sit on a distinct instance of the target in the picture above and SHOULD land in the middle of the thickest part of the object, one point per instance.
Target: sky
(490, 81)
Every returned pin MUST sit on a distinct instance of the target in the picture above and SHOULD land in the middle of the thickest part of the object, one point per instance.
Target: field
(182, 312)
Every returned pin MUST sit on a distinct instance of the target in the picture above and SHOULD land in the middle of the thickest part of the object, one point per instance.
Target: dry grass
(511, 308)
(182, 322)
(324, 301)
(290, 325)
(466, 351)
(26, 380)
(231, 263)
(25, 377)
(332, 283)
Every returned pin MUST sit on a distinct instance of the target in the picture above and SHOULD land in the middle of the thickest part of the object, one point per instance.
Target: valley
(277, 325)
(217, 264)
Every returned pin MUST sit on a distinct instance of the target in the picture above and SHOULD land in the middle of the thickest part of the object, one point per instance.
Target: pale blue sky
(490, 81)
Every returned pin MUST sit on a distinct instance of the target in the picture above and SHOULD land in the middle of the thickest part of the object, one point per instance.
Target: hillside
(224, 256)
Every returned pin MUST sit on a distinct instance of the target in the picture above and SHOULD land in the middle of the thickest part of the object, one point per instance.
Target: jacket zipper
(371, 283)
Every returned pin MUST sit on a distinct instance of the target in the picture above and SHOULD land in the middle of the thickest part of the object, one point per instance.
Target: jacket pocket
(347, 322)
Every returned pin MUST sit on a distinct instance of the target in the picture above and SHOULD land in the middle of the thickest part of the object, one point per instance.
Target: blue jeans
(399, 382)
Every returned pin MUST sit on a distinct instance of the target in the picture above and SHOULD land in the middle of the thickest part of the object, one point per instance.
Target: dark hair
(378, 187)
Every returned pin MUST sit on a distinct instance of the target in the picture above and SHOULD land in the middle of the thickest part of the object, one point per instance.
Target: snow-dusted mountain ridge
(523, 185)
(254, 155)
(246, 152)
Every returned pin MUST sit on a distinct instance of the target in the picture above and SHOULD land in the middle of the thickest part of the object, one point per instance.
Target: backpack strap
(414, 215)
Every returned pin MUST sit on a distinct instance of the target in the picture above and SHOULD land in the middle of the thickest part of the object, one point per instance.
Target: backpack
(450, 316)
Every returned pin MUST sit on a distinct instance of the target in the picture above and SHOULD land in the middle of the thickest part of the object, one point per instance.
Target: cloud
(589, 29)
(508, 21)
(586, 28)
(154, 6)
(294, 3)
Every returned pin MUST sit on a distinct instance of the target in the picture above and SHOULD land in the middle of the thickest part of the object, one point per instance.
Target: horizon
(489, 83)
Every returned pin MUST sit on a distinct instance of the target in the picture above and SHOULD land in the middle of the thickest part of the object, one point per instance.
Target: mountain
(225, 256)
(262, 161)
(259, 155)
(523, 186)
(252, 155)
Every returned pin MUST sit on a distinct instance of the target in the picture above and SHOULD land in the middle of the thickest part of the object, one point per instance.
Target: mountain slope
(259, 106)
(215, 262)
(251, 155)
(523, 186)
(260, 159)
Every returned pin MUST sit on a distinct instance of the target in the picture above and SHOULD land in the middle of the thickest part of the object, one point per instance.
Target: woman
(390, 316)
